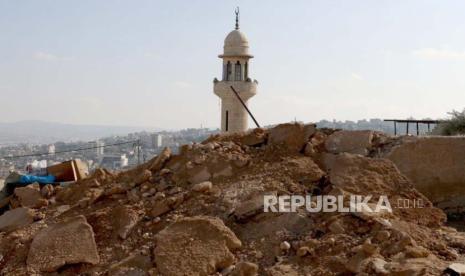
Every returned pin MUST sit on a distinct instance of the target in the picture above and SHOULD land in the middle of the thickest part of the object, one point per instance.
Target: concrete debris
(356, 142)
(158, 162)
(285, 246)
(195, 246)
(202, 187)
(16, 218)
(70, 242)
(256, 137)
(199, 174)
(245, 269)
(47, 191)
(124, 219)
(248, 209)
(201, 212)
(294, 136)
(30, 196)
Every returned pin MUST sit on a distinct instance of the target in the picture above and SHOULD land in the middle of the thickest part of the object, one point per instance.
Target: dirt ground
(200, 212)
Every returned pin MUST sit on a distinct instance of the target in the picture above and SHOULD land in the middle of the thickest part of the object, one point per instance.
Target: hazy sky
(152, 63)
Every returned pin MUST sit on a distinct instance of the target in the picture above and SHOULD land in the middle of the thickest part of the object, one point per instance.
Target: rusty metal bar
(245, 106)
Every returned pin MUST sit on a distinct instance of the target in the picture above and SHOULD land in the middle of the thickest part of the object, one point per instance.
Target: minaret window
(238, 71)
(225, 70)
(246, 70)
(228, 71)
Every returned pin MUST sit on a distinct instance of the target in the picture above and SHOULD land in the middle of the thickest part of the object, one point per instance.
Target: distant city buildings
(129, 150)
(100, 147)
(114, 162)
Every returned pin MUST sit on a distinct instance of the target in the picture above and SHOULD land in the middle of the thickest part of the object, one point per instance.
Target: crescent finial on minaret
(237, 18)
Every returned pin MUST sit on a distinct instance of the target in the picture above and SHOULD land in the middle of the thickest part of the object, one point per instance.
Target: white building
(114, 162)
(157, 140)
(236, 56)
(100, 147)
(51, 149)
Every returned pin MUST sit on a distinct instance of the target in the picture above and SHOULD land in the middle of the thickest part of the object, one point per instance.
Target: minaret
(236, 58)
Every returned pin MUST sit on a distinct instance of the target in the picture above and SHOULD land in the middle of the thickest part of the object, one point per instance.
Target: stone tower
(236, 58)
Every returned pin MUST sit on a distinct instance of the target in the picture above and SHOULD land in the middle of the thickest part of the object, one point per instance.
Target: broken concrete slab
(356, 142)
(30, 196)
(160, 160)
(69, 242)
(199, 174)
(202, 187)
(245, 269)
(248, 209)
(195, 246)
(254, 138)
(435, 167)
(16, 218)
(293, 135)
(124, 220)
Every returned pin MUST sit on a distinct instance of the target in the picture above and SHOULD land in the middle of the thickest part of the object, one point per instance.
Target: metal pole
(395, 128)
(245, 106)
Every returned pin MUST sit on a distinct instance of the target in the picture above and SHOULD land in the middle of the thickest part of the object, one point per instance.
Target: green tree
(453, 126)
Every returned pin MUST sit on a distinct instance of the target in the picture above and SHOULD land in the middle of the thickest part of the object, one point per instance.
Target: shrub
(453, 126)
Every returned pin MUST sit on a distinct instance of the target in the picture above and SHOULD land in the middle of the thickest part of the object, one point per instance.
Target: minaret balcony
(245, 89)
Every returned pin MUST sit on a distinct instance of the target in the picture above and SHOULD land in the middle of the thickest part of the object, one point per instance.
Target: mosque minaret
(236, 69)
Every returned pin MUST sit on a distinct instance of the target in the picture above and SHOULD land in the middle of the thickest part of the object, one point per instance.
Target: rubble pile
(201, 212)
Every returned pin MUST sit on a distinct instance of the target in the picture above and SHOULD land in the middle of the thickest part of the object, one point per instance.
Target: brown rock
(29, 196)
(195, 246)
(199, 174)
(128, 271)
(357, 263)
(160, 207)
(116, 188)
(227, 170)
(356, 142)
(303, 251)
(245, 269)
(369, 248)
(143, 177)
(282, 270)
(248, 209)
(295, 136)
(416, 252)
(254, 138)
(309, 149)
(16, 218)
(135, 260)
(124, 220)
(160, 160)
(336, 227)
(69, 242)
(202, 187)
(47, 191)
(378, 266)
